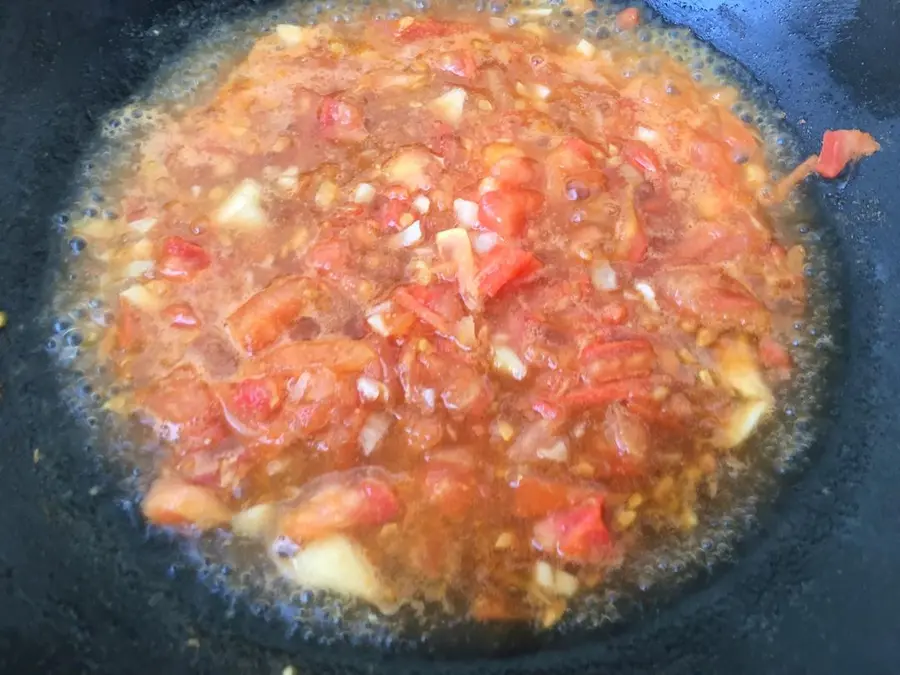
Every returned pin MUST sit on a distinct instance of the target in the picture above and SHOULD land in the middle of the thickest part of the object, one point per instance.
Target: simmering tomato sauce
(430, 306)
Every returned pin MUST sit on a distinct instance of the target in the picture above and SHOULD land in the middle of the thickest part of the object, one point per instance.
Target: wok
(814, 587)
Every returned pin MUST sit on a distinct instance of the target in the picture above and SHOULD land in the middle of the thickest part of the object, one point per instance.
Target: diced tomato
(181, 259)
(176, 503)
(331, 255)
(423, 28)
(514, 171)
(437, 305)
(186, 409)
(450, 489)
(772, 354)
(723, 239)
(265, 317)
(628, 18)
(391, 207)
(503, 265)
(181, 315)
(254, 401)
(534, 497)
(710, 155)
(839, 148)
(129, 332)
(610, 392)
(607, 361)
(642, 158)
(718, 301)
(577, 534)
(615, 313)
(462, 388)
(457, 62)
(341, 121)
(506, 211)
(341, 355)
(341, 502)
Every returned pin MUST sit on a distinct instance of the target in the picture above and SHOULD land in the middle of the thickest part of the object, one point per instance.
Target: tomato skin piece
(841, 147)
(262, 320)
(425, 28)
(341, 355)
(608, 361)
(628, 19)
(503, 265)
(642, 158)
(341, 502)
(173, 502)
(506, 211)
(181, 259)
(577, 534)
(610, 392)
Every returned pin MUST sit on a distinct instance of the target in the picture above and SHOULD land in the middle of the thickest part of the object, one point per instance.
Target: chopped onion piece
(289, 34)
(336, 564)
(369, 389)
(422, 204)
(454, 245)
(466, 212)
(566, 584)
(375, 318)
(543, 575)
(542, 91)
(297, 388)
(143, 225)
(465, 332)
(586, 49)
(242, 209)
(364, 193)
(411, 236)
(256, 522)
(646, 135)
(604, 277)
(739, 370)
(138, 268)
(141, 297)
(558, 452)
(326, 194)
(743, 421)
(410, 168)
(449, 106)
(507, 361)
(430, 397)
(373, 432)
(648, 294)
(539, 92)
(485, 242)
(289, 179)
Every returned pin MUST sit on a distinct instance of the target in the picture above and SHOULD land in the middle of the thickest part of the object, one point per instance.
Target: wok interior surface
(82, 588)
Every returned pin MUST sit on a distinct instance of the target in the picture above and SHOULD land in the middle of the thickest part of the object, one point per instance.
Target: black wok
(813, 589)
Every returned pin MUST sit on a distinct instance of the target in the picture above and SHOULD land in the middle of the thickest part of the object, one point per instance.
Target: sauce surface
(434, 308)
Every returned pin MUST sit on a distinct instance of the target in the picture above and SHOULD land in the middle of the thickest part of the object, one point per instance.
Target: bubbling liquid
(668, 558)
